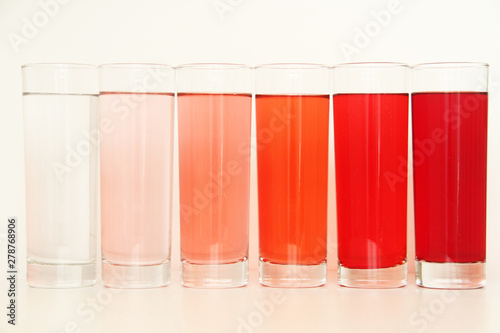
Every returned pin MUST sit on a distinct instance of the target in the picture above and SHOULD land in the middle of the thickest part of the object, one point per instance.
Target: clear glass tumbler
(370, 107)
(214, 109)
(61, 144)
(136, 121)
(292, 114)
(450, 134)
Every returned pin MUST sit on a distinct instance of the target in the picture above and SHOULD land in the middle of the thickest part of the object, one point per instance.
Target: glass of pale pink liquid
(214, 104)
(136, 119)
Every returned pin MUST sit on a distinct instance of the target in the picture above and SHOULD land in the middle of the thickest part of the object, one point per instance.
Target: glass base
(450, 275)
(121, 276)
(292, 276)
(392, 277)
(61, 276)
(215, 276)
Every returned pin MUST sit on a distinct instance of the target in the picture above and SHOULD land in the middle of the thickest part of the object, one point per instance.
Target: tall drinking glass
(292, 109)
(214, 111)
(450, 123)
(136, 119)
(370, 106)
(60, 142)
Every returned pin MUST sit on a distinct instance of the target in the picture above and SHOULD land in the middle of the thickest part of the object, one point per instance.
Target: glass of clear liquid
(61, 145)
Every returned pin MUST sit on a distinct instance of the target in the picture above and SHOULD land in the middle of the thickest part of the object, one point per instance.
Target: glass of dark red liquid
(292, 116)
(450, 123)
(370, 107)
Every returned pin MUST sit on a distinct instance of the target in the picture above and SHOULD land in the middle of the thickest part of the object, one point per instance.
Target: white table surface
(255, 308)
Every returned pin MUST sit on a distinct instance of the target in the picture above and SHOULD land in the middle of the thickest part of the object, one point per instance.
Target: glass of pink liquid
(370, 107)
(136, 123)
(450, 130)
(214, 112)
(292, 111)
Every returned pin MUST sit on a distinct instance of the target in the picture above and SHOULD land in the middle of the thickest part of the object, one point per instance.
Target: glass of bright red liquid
(292, 112)
(370, 107)
(450, 123)
(214, 104)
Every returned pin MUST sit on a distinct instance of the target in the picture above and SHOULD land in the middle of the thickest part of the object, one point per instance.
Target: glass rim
(372, 65)
(58, 65)
(292, 65)
(213, 66)
(132, 65)
(448, 65)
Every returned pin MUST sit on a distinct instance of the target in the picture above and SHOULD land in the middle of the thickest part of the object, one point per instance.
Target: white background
(251, 32)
